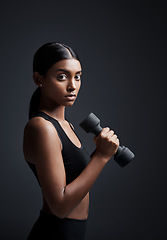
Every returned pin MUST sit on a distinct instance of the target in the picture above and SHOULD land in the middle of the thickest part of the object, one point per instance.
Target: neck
(57, 112)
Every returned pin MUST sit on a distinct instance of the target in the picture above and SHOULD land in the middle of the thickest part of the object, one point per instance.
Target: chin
(70, 103)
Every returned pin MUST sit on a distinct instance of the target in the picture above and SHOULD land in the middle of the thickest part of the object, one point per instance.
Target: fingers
(106, 131)
(107, 134)
(111, 134)
(107, 142)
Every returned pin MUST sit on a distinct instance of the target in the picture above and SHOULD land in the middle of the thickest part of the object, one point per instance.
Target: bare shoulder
(39, 132)
(38, 124)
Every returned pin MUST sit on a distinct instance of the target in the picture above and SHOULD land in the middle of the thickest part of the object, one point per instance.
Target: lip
(70, 97)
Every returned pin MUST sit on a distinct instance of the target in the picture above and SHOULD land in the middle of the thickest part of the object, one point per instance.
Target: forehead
(71, 65)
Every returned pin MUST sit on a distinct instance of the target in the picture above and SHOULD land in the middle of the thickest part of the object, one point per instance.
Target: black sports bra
(75, 159)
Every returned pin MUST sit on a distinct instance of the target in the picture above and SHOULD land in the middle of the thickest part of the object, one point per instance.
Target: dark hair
(44, 58)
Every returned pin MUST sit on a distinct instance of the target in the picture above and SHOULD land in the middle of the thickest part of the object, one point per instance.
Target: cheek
(79, 85)
(57, 87)
(54, 91)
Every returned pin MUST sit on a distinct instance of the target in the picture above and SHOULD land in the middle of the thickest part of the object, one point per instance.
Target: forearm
(76, 190)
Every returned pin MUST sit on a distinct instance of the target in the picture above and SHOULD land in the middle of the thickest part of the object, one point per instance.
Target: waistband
(51, 216)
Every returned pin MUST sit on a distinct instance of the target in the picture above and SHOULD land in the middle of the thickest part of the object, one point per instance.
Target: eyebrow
(64, 70)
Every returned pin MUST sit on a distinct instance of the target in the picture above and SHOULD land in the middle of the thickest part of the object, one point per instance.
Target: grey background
(122, 46)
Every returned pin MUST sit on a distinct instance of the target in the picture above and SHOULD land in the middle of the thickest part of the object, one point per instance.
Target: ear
(38, 79)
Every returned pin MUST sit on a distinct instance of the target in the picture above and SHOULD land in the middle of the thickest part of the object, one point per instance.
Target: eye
(62, 77)
(78, 77)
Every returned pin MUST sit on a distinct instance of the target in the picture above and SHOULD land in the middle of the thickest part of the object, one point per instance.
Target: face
(62, 82)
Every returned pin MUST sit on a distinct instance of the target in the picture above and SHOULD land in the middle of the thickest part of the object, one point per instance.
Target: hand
(107, 143)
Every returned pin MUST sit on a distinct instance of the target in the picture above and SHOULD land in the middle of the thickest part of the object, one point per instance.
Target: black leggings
(50, 227)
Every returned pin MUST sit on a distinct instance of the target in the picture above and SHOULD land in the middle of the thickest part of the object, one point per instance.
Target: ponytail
(34, 102)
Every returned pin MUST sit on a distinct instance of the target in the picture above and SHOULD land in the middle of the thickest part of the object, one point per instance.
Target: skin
(42, 146)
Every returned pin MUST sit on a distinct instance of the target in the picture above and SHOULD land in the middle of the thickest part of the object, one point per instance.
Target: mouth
(70, 97)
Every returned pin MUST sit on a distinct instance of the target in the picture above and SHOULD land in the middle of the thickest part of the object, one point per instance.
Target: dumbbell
(123, 156)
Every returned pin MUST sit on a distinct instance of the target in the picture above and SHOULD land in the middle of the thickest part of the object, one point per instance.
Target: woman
(63, 168)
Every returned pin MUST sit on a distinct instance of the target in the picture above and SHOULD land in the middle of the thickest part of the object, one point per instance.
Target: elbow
(60, 205)
(60, 215)
(60, 212)
(60, 209)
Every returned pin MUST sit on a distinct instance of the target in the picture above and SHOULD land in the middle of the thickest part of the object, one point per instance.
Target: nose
(71, 85)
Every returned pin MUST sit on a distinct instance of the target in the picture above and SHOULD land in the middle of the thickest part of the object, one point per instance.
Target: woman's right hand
(106, 143)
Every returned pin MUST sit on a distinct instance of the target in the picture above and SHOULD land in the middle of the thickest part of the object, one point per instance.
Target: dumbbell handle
(91, 124)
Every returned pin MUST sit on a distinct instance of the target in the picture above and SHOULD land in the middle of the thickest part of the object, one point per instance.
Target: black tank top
(75, 159)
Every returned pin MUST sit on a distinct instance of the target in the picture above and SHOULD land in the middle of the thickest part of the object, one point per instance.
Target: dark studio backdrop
(122, 46)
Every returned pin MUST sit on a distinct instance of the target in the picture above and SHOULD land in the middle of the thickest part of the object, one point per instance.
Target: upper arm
(46, 154)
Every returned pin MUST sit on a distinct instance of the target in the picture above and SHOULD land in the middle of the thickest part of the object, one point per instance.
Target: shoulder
(39, 129)
(39, 125)
(40, 136)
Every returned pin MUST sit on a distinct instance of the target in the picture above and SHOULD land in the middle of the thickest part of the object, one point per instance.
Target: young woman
(63, 168)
